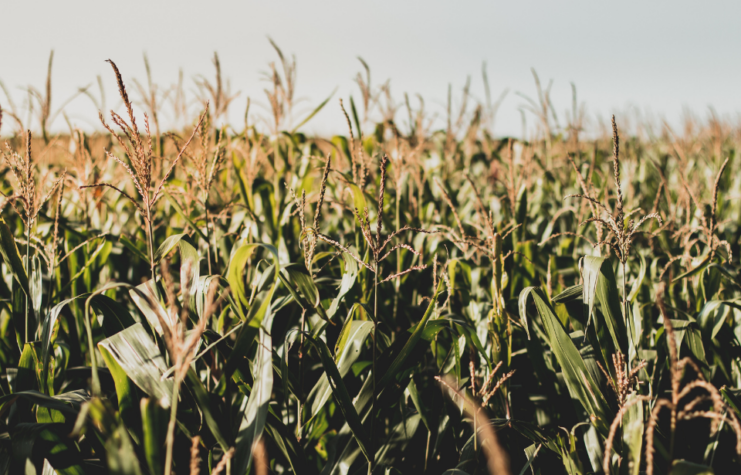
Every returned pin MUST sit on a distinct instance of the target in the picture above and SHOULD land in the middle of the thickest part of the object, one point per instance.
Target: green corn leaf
(154, 428)
(600, 286)
(134, 351)
(256, 410)
(67, 403)
(120, 455)
(288, 445)
(12, 257)
(48, 334)
(398, 439)
(570, 294)
(410, 344)
(590, 274)
(358, 196)
(418, 404)
(243, 186)
(234, 274)
(578, 379)
(633, 435)
(126, 391)
(685, 330)
(305, 285)
(50, 441)
(179, 210)
(522, 305)
(200, 294)
(27, 378)
(145, 297)
(313, 113)
(530, 452)
(701, 266)
(710, 282)
(115, 317)
(81, 272)
(638, 281)
(167, 246)
(343, 398)
(35, 284)
(129, 244)
(307, 288)
(204, 404)
(349, 278)
(350, 343)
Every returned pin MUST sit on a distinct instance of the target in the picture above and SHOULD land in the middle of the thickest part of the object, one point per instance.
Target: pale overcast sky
(658, 56)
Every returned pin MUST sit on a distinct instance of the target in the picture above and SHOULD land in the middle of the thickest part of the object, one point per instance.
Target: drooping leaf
(348, 280)
(570, 294)
(167, 246)
(68, 403)
(712, 316)
(522, 305)
(126, 391)
(145, 297)
(135, 352)
(699, 267)
(115, 317)
(307, 288)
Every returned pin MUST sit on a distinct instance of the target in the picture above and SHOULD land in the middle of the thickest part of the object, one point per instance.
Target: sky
(656, 58)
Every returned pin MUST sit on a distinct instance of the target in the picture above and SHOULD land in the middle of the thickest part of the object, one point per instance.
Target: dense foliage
(397, 300)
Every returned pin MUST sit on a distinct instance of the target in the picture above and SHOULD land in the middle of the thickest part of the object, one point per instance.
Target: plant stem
(375, 344)
(170, 441)
(150, 243)
(52, 269)
(95, 385)
(28, 268)
(301, 375)
(427, 450)
(397, 283)
(625, 309)
(212, 237)
(208, 244)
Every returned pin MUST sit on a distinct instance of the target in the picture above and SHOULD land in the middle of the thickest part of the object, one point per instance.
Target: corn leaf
(137, 355)
(578, 379)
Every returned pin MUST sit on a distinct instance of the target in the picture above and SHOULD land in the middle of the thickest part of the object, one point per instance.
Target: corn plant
(397, 299)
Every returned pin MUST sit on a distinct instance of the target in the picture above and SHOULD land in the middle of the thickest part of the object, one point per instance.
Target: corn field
(394, 299)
